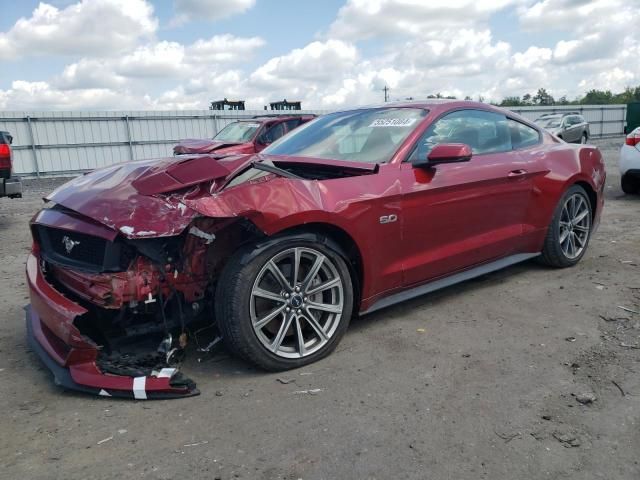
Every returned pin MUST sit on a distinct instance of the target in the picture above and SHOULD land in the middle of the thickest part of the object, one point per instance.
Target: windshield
(370, 135)
(237, 132)
(549, 122)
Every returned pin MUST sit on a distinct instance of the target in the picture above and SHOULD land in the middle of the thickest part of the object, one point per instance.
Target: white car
(630, 163)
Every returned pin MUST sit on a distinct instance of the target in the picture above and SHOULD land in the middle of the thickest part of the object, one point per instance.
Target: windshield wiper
(265, 167)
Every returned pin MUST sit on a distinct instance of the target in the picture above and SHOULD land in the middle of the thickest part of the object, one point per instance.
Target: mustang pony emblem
(69, 244)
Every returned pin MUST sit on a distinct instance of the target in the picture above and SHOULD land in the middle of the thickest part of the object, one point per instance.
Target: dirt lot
(476, 381)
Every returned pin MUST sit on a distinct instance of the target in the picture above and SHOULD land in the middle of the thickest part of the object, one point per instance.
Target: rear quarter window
(522, 136)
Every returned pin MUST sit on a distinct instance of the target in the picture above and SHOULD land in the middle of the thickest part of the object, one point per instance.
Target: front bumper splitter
(73, 361)
(97, 383)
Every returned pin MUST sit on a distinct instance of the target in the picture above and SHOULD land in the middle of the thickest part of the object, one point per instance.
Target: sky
(182, 54)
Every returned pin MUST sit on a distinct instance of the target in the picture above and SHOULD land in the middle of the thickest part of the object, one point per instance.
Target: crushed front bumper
(71, 357)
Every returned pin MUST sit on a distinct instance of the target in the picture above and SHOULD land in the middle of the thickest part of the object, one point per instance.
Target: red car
(354, 211)
(10, 185)
(244, 136)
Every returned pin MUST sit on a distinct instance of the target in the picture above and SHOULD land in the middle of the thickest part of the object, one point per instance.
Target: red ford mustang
(350, 213)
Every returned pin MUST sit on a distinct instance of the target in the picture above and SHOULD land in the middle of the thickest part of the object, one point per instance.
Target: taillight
(5, 156)
(633, 138)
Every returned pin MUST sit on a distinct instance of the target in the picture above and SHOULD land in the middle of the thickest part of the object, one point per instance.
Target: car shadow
(493, 279)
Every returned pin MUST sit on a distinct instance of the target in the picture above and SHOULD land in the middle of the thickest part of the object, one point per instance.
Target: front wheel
(583, 138)
(570, 229)
(286, 304)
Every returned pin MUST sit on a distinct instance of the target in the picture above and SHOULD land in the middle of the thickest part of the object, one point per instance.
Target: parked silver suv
(569, 126)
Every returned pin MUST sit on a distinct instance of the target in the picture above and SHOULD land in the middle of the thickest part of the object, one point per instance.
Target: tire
(584, 138)
(629, 185)
(562, 235)
(248, 293)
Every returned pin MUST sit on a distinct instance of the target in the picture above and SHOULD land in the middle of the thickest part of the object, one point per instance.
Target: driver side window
(272, 134)
(484, 132)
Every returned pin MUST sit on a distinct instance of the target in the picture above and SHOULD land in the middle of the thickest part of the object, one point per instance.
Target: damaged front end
(125, 261)
(120, 278)
(111, 315)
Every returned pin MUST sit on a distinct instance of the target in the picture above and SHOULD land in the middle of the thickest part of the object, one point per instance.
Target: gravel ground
(481, 380)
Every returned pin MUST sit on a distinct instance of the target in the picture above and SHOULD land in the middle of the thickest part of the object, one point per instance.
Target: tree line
(592, 97)
(543, 97)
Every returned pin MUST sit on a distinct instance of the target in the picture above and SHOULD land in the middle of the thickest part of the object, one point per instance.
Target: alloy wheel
(575, 224)
(296, 302)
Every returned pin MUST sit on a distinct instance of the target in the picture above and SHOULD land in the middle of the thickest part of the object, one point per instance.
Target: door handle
(517, 173)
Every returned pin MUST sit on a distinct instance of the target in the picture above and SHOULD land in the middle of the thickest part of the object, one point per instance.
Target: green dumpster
(633, 117)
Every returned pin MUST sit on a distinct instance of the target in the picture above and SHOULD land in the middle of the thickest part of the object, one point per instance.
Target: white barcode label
(393, 122)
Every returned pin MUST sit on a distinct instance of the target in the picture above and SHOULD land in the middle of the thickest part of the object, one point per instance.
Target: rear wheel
(286, 305)
(570, 229)
(629, 185)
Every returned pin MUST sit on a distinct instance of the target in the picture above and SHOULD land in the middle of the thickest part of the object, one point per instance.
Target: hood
(160, 197)
(142, 198)
(192, 145)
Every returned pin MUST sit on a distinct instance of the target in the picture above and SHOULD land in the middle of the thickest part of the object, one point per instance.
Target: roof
(429, 104)
(266, 118)
(558, 114)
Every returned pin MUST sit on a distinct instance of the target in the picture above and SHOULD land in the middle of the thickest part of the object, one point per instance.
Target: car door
(572, 133)
(461, 214)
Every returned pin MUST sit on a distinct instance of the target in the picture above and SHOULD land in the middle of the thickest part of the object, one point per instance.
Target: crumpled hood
(192, 145)
(141, 198)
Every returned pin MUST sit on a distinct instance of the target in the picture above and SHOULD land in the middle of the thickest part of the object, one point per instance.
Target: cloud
(222, 49)
(449, 47)
(598, 35)
(211, 10)
(89, 27)
(89, 74)
(42, 96)
(163, 59)
(570, 15)
(361, 19)
(316, 62)
(160, 60)
(615, 80)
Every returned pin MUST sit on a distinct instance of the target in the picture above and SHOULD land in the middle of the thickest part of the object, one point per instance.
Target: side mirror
(446, 153)
(10, 139)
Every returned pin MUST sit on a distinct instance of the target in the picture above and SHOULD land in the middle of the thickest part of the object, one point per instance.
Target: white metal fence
(604, 120)
(68, 142)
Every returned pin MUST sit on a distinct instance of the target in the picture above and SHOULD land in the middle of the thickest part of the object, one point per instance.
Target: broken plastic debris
(567, 439)
(627, 309)
(585, 398)
(105, 440)
(204, 442)
(208, 237)
(285, 381)
(313, 391)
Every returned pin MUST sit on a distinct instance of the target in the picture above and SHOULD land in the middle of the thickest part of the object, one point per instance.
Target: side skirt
(448, 281)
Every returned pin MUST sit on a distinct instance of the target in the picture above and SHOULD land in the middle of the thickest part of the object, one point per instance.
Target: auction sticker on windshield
(393, 122)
